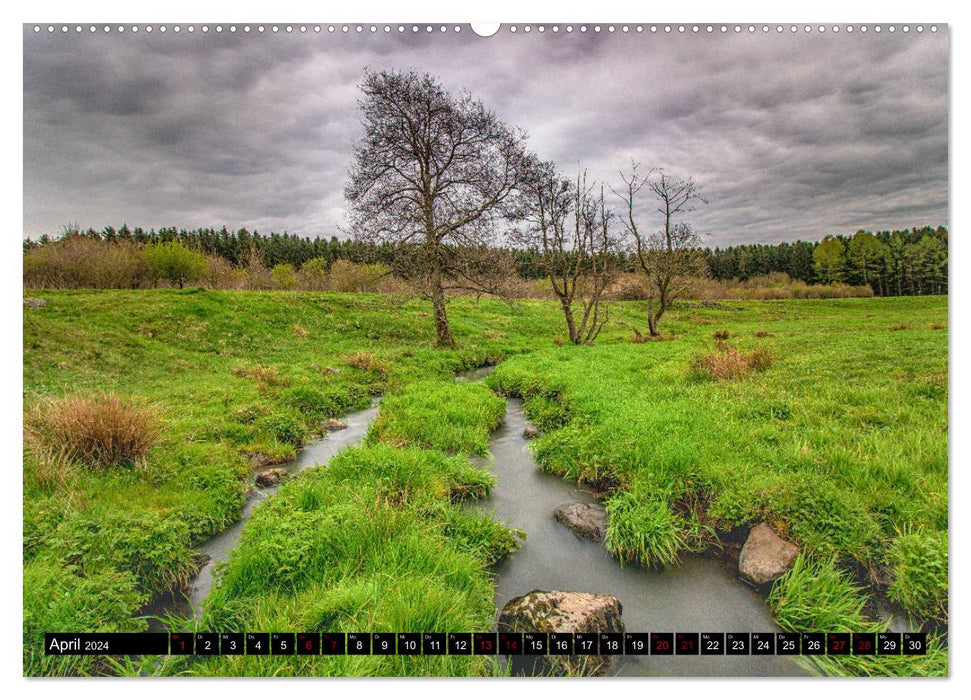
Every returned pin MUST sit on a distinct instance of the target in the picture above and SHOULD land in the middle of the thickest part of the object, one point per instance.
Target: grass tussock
(730, 364)
(815, 596)
(919, 564)
(100, 432)
(366, 362)
(900, 327)
(723, 334)
(762, 334)
(49, 469)
(266, 377)
(643, 530)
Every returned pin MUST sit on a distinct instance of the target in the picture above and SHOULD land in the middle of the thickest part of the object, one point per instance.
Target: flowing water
(217, 548)
(701, 595)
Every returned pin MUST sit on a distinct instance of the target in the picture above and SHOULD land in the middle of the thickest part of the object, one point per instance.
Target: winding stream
(701, 595)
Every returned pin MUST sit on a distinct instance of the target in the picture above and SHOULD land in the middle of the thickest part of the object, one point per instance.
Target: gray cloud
(790, 136)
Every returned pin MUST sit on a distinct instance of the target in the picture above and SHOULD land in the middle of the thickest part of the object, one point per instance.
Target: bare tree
(432, 176)
(669, 257)
(570, 224)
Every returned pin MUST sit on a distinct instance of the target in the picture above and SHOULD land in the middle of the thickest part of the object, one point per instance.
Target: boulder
(588, 520)
(560, 611)
(271, 477)
(334, 424)
(530, 432)
(765, 556)
(34, 303)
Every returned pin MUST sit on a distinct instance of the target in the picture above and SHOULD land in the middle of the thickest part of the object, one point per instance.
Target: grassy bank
(838, 436)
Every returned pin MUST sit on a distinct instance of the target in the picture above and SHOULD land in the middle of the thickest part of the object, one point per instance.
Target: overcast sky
(790, 136)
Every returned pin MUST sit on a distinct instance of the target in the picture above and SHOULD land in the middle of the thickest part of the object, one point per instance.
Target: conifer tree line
(911, 261)
(893, 263)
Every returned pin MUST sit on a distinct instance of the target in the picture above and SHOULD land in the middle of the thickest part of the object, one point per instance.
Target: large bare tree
(569, 223)
(672, 256)
(432, 176)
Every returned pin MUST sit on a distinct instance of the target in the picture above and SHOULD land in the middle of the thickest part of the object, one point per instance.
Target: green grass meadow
(839, 438)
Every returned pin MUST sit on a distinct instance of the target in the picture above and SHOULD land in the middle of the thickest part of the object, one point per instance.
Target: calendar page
(448, 350)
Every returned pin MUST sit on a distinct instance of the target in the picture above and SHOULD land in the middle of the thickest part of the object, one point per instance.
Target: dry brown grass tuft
(265, 377)
(730, 364)
(49, 469)
(762, 334)
(300, 331)
(723, 334)
(366, 361)
(900, 327)
(100, 431)
(938, 326)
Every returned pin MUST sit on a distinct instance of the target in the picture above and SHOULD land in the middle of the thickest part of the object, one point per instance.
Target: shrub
(919, 564)
(78, 261)
(100, 431)
(313, 274)
(284, 276)
(174, 262)
(730, 364)
(222, 274)
(346, 276)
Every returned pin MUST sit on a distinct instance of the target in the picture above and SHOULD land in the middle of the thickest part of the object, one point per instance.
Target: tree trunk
(442, 330)
(570, 323)
(652, 319)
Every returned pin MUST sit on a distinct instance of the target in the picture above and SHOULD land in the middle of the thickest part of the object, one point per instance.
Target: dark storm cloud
(789, 136)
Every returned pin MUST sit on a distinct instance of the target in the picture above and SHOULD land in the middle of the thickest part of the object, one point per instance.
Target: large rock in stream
(271, 477)
(588, 520)
(561, 611)
(765, 556)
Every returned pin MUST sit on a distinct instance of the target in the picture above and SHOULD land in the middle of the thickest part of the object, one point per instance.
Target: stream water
(701, 595)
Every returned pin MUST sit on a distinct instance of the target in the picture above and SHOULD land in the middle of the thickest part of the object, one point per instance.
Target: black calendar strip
(488, 643)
